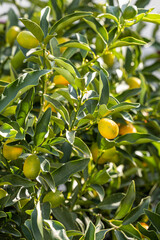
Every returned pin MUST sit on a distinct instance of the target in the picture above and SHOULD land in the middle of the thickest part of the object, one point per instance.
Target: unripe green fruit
(12, 34)
(130, 12)
(31, 167)
(27, 40)
(55, 198)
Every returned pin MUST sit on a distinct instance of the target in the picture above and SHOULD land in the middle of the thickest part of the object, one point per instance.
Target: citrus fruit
(62, 40)
(55, 198)
(12, 34)
(128, 128)
(130, 12)
(100, 45)
(3, 193)
(107, 155)
(11, 152)
(108, 128)
(31, 167)
(60, 80)
(108, 59)
(27, 40)
(133, 82)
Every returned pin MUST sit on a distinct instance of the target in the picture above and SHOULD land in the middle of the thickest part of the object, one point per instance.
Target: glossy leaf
(100, 191)
(25, 107)
(42, 127)
(76, 44)
(82, 148)
(44, 22)
(66, 74)
(97, 27)
(103, 88)
(137, 211)
(56, 9)
(90, 232)
(2, 214)
(66, 64)
(148, 233)
(101, 177)
(136, 138)
(15, 180)
(20, 86)
(131, 231)
(59, 108)
(36, 223)
(34, 28)
(127, 41)
(62, 174)
(154, 218)
(111, 202)
(57, 230)
(152, 17)
(108, 16)
(68, 20)
(7, 131)
(127, 202)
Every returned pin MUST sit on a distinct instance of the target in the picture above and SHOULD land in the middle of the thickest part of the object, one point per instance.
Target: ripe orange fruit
(3, 193)
(11, 152)
(55, 198)
(62, 40)
(128, 128)
(108, 59)
(130, 12)
(60, 80)
(133, 82)
(27, 40)
(31, 167)
(107, 156)
(108, 128)
(12, 34)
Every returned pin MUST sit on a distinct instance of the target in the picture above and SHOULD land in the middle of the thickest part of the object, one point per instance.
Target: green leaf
(75, 44)
(36, 223)
(56, 9)
(128, 94)
(100, 191)
(59, 108)
(66, 74)
(114, 10)
(66, 64)
(97, 27)
(34, 28)
(55, 50)
(121, 236)
(8, 229)
(44, 21)
(124, 106)
(65, 217)
(47, 177)
(72, 233)
(16, 181)
(111, 202)
(154, 218)
(90, 233)
(81, 38)
(136, 138)
(42, 127)
(62, 174)
(108, 16)
(127, 41)
(20, 86)
(152, 17)
(103, 88)
(25, 107)
(2, 214)
(82, 148)
(137, 211)
(68, 20)
(57, 230)
(131, 231)
(127, 202)
(70, 135)
(100, 235)
(7, 131)
(149, 234)
(101, 177)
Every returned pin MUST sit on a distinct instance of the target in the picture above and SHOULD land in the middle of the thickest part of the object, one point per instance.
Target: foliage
(99, 201)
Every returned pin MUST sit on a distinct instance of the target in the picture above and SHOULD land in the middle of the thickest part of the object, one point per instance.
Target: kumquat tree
(79, 121)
